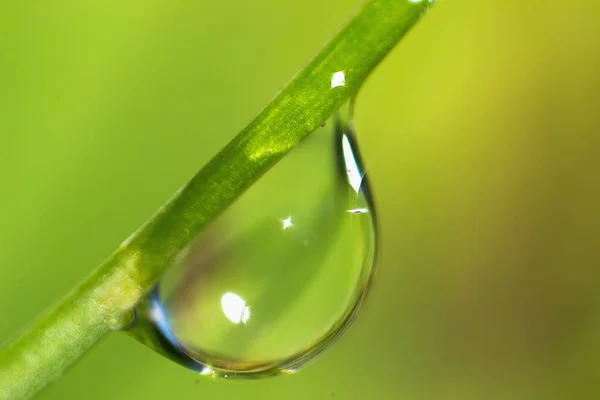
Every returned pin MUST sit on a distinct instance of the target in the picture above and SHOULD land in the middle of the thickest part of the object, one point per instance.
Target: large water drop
(280, 274)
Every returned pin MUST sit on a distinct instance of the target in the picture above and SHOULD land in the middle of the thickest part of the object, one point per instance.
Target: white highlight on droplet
(352, 170)
(157, 316)
(358, 211)
(287, 223)
(338, 79)
(235, 308)
(208, 371)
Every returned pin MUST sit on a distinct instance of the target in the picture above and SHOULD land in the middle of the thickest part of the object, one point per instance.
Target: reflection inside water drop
(235, 308)
(279, 275)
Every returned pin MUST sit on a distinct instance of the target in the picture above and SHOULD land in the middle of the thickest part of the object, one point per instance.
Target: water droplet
(280, 274)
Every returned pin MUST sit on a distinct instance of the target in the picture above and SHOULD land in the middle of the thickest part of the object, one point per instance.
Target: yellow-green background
(481, 137)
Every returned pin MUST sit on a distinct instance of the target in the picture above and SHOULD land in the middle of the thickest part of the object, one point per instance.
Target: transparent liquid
(279, 275)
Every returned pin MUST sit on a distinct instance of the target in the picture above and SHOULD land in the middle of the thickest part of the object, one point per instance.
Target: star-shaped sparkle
(287, 223)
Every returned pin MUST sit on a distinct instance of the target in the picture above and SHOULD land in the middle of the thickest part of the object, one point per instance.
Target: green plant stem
(104, 300)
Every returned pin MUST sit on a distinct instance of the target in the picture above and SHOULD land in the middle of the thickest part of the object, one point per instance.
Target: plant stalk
(105, 299)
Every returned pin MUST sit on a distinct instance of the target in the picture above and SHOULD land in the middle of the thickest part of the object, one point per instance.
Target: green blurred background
(481, 137)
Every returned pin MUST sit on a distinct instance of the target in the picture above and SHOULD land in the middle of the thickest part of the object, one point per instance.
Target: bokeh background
(481, 137)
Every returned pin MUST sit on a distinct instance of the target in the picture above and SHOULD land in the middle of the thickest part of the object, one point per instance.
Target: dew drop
(280, 274)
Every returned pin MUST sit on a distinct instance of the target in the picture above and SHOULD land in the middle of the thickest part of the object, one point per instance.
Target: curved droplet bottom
(280, 274)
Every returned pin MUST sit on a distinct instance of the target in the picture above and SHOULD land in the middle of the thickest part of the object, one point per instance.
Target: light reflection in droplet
(235, 308)
(158, 317)
(358, 211)
(287, 223)
(208, 371)
(338, 79)
(288, 371)
(352, 170)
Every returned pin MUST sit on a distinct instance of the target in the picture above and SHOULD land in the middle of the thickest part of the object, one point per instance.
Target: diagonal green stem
(105, 298)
